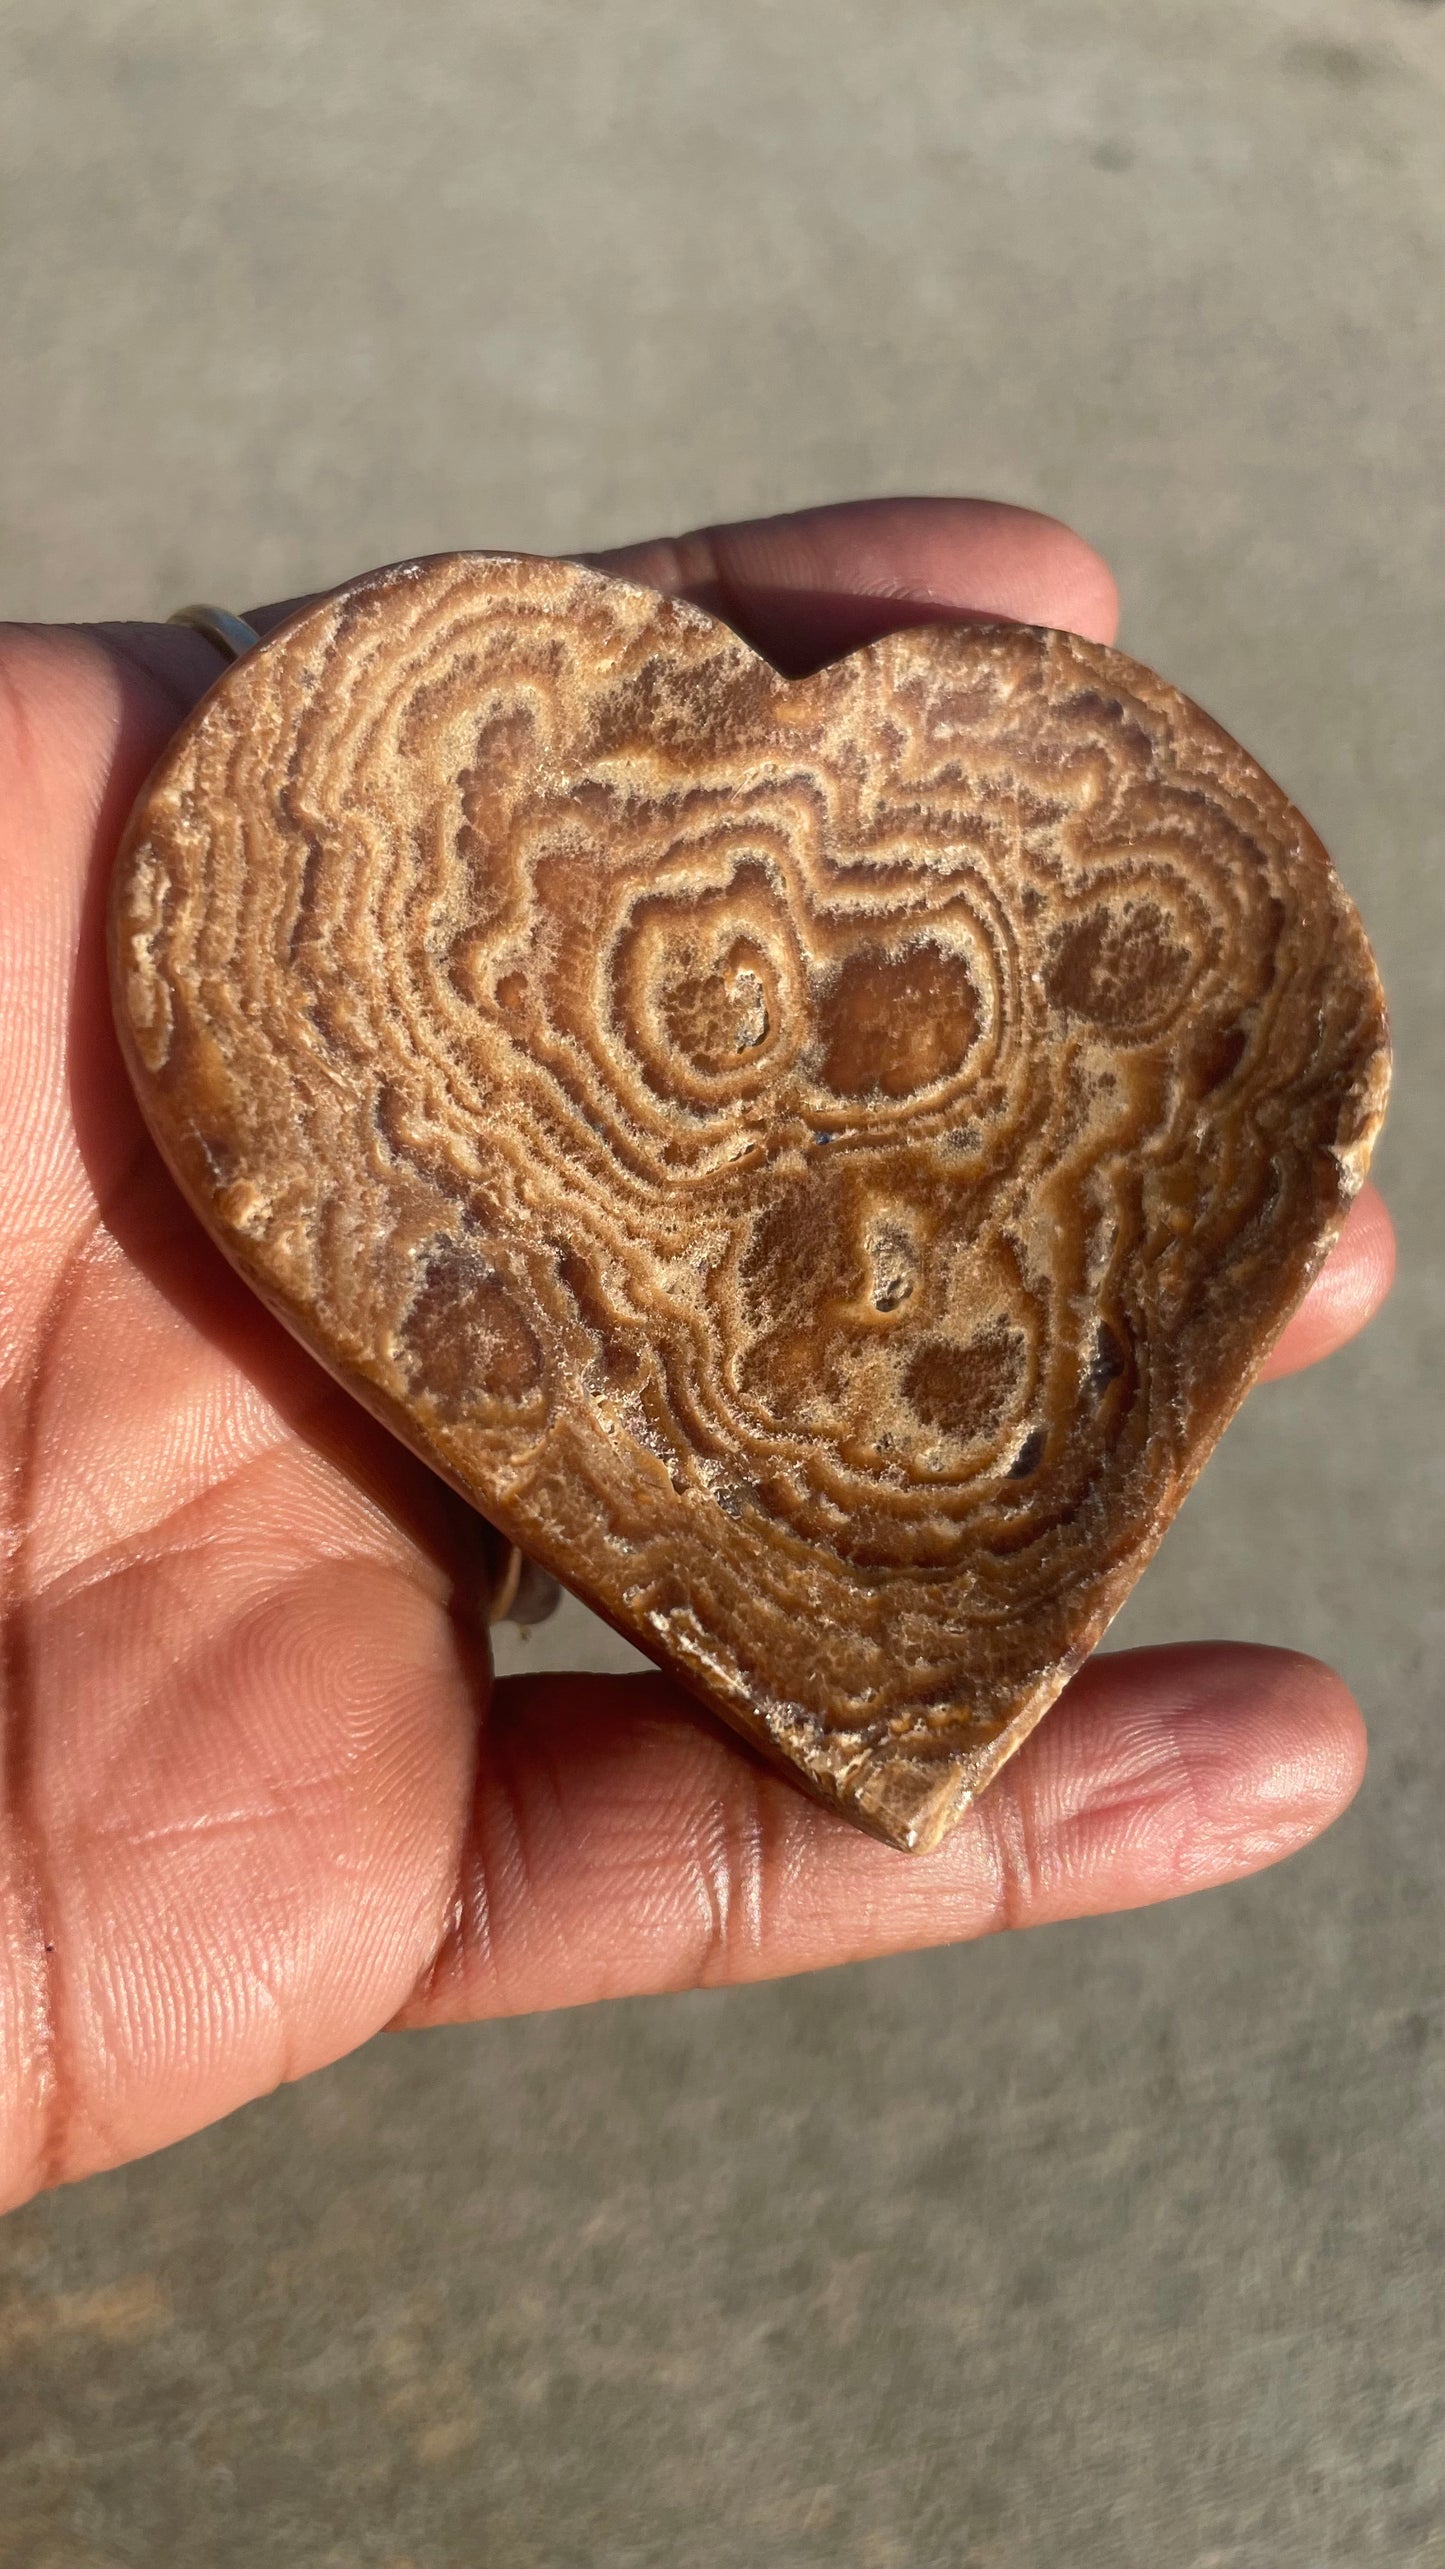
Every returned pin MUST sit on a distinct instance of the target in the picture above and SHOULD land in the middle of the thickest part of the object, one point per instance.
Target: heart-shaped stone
(817, 1162)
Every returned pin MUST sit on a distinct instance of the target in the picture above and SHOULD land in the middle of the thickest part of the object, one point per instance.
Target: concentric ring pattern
(817, 1161)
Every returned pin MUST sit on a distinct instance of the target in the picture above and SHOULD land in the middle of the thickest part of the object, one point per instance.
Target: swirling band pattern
(818, 1162)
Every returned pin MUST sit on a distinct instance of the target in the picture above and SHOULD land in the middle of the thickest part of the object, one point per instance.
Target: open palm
(259, 1798)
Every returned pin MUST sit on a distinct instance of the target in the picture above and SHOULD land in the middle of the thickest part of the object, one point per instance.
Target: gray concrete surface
(1120, 2244)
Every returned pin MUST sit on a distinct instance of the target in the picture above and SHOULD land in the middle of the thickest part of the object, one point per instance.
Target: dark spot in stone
(1220, 1053)
(464, 1341)
(1118, 966)
(1109, 1360)
(1112, 156)
(220, 1159)
(801, 1254)
(965, 1390)
(1030, 1454)
(893, 1021)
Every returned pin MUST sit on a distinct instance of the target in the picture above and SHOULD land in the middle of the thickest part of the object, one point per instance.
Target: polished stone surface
(1122, 2242)
(818, 1161)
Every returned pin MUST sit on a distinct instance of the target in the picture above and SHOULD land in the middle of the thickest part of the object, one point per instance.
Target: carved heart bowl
(816, 1162)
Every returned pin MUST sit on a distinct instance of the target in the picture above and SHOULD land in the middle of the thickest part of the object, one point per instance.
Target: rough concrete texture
(1115, 2245)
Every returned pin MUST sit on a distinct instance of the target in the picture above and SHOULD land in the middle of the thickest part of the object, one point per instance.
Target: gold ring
(230, 633)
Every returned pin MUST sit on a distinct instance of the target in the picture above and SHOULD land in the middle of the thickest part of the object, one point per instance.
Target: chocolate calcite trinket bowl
(817, 1162)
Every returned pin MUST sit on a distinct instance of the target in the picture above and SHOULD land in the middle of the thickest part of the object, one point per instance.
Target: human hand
(260, 1798)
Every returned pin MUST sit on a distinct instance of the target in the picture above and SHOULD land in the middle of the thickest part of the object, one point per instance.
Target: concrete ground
(1119, 2244)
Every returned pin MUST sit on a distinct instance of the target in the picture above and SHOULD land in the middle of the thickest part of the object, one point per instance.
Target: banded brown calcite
(816, 1162)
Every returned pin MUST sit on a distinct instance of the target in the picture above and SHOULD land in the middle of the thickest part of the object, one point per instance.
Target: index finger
(819, 582)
